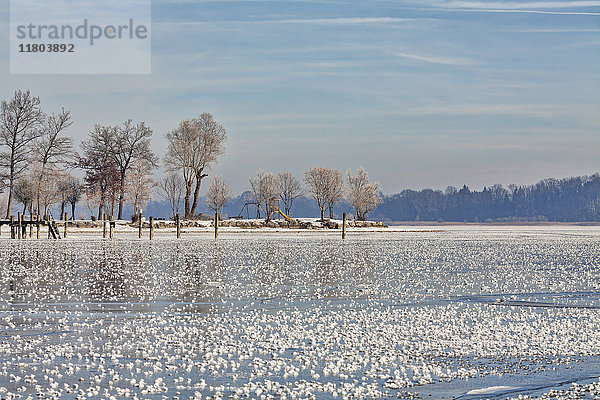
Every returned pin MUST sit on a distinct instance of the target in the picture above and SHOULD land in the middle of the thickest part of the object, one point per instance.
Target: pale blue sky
(426, 93)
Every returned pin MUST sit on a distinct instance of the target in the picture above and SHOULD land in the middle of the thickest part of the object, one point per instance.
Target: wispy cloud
(558, 30)
(532, 7)
(343, 21)
(308, 21)
(523, 5)
(528, 12)
(533, 110)
(438, 60)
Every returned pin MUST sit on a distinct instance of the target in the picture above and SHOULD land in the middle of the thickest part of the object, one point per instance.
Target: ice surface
(492, 389)
(302, 315)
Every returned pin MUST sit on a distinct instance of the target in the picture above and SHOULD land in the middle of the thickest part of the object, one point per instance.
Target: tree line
(37, 160)
(560, 200)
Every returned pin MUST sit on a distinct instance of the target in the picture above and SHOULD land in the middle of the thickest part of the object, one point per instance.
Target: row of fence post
(108, 225)
(18, 228)
(215, 223)
(140, 219)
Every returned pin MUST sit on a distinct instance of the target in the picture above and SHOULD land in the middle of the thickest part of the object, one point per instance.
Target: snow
(484, 310)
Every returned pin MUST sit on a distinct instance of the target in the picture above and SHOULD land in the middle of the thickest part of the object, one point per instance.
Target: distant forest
(560, 200)
(575, 199)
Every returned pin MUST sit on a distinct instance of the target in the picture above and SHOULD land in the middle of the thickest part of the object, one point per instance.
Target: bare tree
(179, 160)
(49, 189)
(193, 147)
(25, 193)
(316, 180)
(20, 123)
(102, 174)
(219, 193)
(3, 204)
(290, 189)
(172, 188)
(91, 201)
(130, 142)
(51, 149)
(70, 191)
(362, 195)
(335, 189)
(75, 191)
(265, 188)
(62, 194)
(139, 184)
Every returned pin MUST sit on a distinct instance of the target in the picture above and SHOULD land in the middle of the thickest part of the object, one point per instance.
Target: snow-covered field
(470, 312)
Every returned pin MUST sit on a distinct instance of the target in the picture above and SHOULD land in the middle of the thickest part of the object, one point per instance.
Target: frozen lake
(469, 312)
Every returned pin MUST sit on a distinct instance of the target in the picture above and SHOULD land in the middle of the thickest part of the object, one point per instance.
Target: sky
(425, 93)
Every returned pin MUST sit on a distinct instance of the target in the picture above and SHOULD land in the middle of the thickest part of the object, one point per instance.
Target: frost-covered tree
(139, 184)
(316, 181)
(20, 124)
(130, 144)
(363, 195)
(49, 189)
(326, 186)
(75, 191)
(172, 188)
(102, 176)
(218, 194)
(53, 149)
(70, 191)
(290, 189)
(110, 153)
(335, 189)
(193, 148)
(25, 192)
(265, 189)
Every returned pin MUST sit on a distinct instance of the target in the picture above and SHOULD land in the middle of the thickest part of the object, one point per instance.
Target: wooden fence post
(216, 225)
(177, 222)
(344, 227)
(151, 228)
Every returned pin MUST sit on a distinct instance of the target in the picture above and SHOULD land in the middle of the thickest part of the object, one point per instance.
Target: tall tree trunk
(323, 214)
(10, 195)
(199, 177)
(121, 196)
(100, 211)
(188, 192)
(73, 211)
(62, 211)
(330, 211)
(195, 200)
